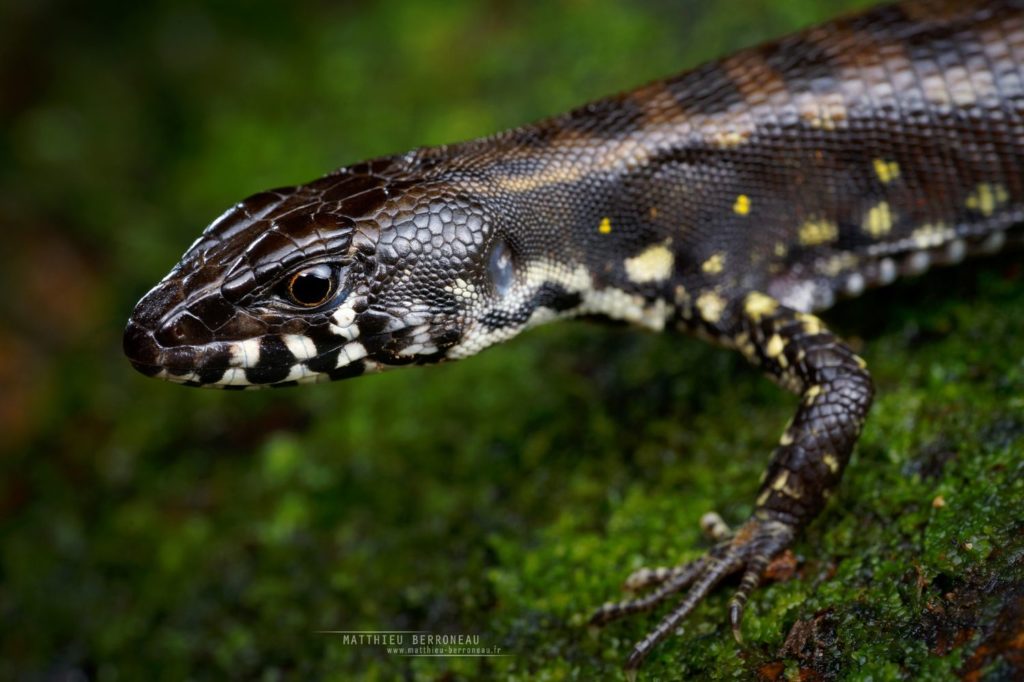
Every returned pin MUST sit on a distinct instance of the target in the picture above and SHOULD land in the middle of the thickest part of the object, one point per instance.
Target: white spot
(798, 295)
(956, 251)
(302, 347)
(620, 305)
(855, 284)
(886, 271)
(931, 235)
(652, 265)
(918, 263)
(823, 298)
(462, 289)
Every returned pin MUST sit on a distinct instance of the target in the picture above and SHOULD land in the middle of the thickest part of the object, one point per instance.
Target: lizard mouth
(267, 360)
(208, 364)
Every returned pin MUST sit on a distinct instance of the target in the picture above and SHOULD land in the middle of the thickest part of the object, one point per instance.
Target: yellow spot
(682, 296)
(986, 198)
(763, 497)
(787, 439)
(731, 138)
(744, 346)
(775, 346)
(653, 265)
(887, 171)
(780, 249)
(931, 235)
(715, 264)
(837, 264)
(742, 205)
(605, 227)
(818, 232)
(812, 393)
(758, 305)
(861, 362)
(831, 462)
(711, 305)
(780, 482)
(812, 325)
(878, 221)
(822, 111)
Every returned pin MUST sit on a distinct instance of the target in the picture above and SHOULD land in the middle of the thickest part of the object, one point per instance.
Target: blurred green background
(155, 532)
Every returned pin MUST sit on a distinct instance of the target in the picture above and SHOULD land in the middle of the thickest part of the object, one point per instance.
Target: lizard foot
(749, 549)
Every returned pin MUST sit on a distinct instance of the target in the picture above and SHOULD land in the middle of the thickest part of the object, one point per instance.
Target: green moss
(151, 531)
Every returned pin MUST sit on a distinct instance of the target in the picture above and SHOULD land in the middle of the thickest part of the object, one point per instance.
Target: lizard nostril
(184, 329)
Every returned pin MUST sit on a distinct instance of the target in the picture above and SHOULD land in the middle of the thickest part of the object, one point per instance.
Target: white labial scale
(420, 334)
(350, 353)
(343, 323)
(245, 353)
(234, 376)
(301, 374)
(313, 378)
(418, 349)
(302, 347)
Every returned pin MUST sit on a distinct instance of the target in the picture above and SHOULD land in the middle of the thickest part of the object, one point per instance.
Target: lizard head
(364, 269)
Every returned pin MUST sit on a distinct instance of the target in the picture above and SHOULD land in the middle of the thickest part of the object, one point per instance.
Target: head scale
(377, 265)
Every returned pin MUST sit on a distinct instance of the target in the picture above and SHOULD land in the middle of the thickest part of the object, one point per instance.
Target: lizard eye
(499, 267)
(311, 287)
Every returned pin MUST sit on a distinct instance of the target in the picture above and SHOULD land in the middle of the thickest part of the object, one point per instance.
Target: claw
(750, 549)
(735, 616)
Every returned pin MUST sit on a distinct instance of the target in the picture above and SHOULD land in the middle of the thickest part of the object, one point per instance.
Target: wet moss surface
(149, 531)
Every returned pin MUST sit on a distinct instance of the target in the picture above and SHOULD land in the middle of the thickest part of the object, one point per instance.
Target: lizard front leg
(797, 351)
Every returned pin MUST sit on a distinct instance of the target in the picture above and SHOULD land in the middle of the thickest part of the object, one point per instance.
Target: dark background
(151, 531)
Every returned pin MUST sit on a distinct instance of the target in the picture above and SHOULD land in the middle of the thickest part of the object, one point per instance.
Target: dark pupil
(312, 287)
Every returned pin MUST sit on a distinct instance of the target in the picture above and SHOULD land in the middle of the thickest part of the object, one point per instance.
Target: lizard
(734, 201)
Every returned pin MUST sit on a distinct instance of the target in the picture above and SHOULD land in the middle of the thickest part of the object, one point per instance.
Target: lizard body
(733, 201)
